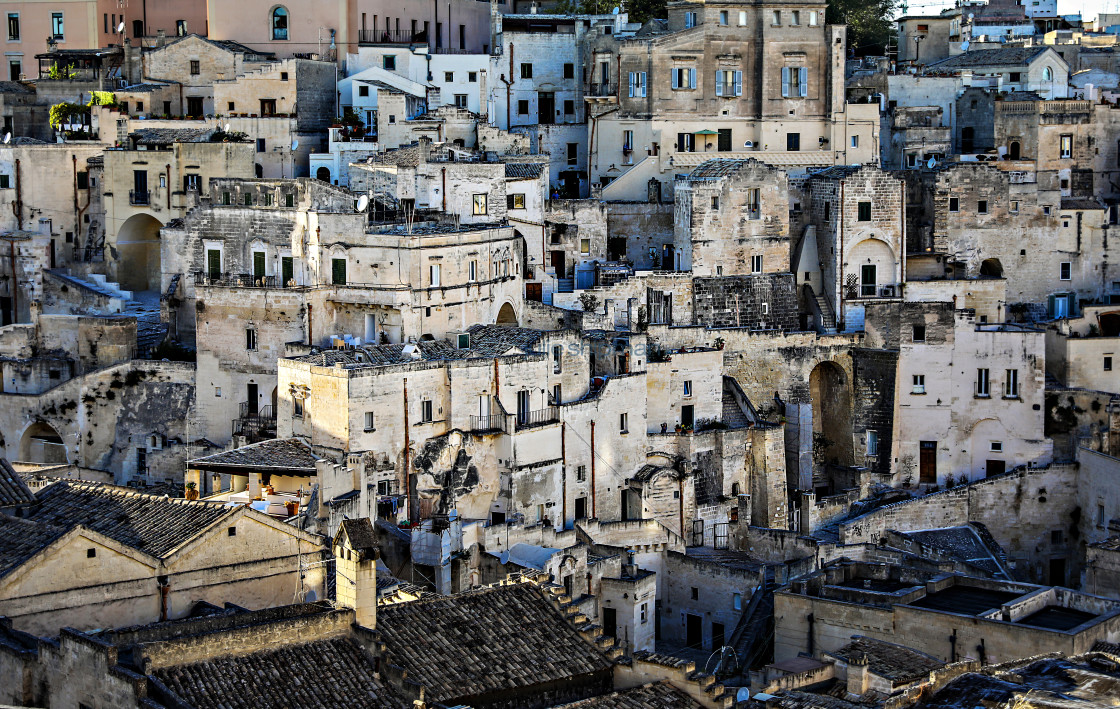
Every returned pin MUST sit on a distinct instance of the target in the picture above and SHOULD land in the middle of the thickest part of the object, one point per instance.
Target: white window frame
(918, 384)
(734, 88)
(472, 271)
(433, 275)
(637, 84)
(983, 383)
(687, 388)
(369, 422)
(1011, 384)
(1065, 271)
(756, 263)
(624, 423)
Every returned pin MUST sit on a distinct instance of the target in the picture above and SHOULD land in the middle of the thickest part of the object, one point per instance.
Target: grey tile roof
(523, 170)
(485, 641)
(324, 673)
(289, 454)
(1006, 56)
(1081, 203)
(20, 539)
(167, 136)
(962, 543)
(14, 87)
(894, 662)
(719, 167)
(499, 339)
(13, 490)
(660, 695)
(486, 341)
(359, 532)
(154, 525)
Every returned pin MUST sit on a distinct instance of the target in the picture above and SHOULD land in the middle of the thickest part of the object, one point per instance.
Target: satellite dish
(744, 694)
(971, 15)
(363, 203)
(614, 11)
(7, 138)
(295, 144)
(931, 163)
(964, 46)
(226, 128)
(748, 144)
(120, 27)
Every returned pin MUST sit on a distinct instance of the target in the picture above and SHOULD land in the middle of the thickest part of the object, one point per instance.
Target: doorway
(534, 291)
(694, 631)
(867, 279)
(546, 107)
(1057, 572)
(251, 393)
(581, 508)
(688, 416)
(194, 106)
(616, 248)
(717, 636)
(610, 622)
(927, 461)
(1013, 150)
(557, 260)
(994, 467)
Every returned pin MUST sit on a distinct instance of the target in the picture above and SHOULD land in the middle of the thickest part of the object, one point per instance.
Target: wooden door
(927, 463)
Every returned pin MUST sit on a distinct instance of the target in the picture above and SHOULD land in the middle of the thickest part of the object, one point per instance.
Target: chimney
(161, 38)
(355, 567)
(859, 675)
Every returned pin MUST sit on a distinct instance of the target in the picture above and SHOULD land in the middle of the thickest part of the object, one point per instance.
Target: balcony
(602, 91)
(490, 424)
(140, 197)
(390, 37)
(256, 426)
(238, 280)
(540, 417)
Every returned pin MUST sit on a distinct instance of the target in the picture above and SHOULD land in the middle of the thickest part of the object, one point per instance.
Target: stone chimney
(161, 38)
(859, 675)
(355, 567)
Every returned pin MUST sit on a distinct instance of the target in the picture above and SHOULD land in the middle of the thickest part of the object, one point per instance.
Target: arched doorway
(992, 268)
(138, 246)
(506, 316)
(1110, 323)
(832, 415)
(1013, 150)
(324, 174)
(42, 444)
(259, 170)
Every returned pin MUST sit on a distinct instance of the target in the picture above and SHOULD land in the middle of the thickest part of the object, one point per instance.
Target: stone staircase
(565, 285)
(733, 415)
(144, 306)
(828, 318)
(753, 638)
(111, 295)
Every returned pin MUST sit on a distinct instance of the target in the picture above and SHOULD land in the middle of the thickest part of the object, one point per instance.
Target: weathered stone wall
(762, 302)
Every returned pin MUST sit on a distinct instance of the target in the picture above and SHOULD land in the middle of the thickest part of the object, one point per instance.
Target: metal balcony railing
(390, 37)
(237, 280)
(602, 90)
(540, 417)
(139, 197)
(491, 422)
(256, 426)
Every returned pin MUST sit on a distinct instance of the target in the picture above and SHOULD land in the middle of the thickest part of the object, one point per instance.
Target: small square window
(283, 76)
(389, 62)
(1065, 271)
(363, 91)
(997, 446)
(232, 532)
(449, 76)
(919, 333)
(91, 553)
(982, 206)
(523, 107)
(695, 593)
(954, 204)
(1056, 537)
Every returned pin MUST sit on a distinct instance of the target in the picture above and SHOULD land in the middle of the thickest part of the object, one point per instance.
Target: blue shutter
(719, 82)
(804, 82)
(785, 81)
(692, 78)
(676, 78)
(642, 76)
(631, 84)
(738, 83)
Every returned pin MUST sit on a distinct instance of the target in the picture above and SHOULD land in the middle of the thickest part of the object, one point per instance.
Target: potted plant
(720, 343)
(192, 491)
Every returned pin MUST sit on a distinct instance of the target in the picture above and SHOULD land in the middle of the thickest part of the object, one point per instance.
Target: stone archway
(992, 268)
(41, 443)
(138, 249)
(324, 174)
(1109, 323)
(506, 316)
(832, 415)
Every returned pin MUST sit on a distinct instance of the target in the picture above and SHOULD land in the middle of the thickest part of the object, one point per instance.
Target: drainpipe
(77, 214)
(309, 324)
(810, 619)
(593, 470)
(168, 168)
(407, 474)
(443, 189)
(164, 589)
(680, 494)
(15, 283)
(563, 478)
(19, 196)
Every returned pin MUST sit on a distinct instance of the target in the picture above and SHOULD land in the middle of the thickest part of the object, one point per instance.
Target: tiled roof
(167, 136)
(963, 543)
(153, 525)
(499, 339)
(13, 490)
(277, 454)
(360, 533)
(523, 170)
(660, 695)
(894, 662)
(14, 87)
(1081, 203)
(718, 167)
(20, 539)
(836, 172)
(485, 341)
(1006, 56)
(485, 641)
(325, 673)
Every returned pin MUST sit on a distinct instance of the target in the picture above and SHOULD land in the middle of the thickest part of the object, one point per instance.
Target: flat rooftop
(876, 585)
(965, 599)
(1057, 618)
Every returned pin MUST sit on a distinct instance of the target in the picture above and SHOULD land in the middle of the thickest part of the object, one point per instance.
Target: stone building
(674, 95)
(1080, 351)
(88, 556)
(1038, 68)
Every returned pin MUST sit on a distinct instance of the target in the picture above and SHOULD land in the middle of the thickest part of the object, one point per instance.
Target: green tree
(870, 23)
(645, 10)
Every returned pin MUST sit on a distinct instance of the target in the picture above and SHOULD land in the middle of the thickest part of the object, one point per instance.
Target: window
(250, 339)
(983, 383)
(795, 81)
(754, 203)
(645, 612)
(180, 28)
(795, 17)
(996, 446)
(573, 153)
(982, 206)
(1065, 271)
(855, 141)
(433, 275)
(523, 107)
(13, 26)
(689, 20)
(280, 23)
(268, 199)
(919, 384)
(569, 71)
(688, 388)
(297, 408)
(1066, 146)
(1100, 515)
(581, 473)
(1108, 363)
(756, 263)
(557, 358)
(460, 100)
(289, 200)
(684, 78)
(742, 18)
(585, 246)
(515, 201)
(954, 204)
(389, 62)
(872, 443)
(363, 91)
(5, 182)
(569, 107)
(622, 421)
(715, 202)
(1015, 77)
(776, 17)
(637, 84)
(91, 553)
(813, 18)
(695, 593)
(338, 271)
(195, 68)
(479, 208)
(729, 82)
(919, 333)
(247, 200)
(793, 142)
(369, 421)
(686, 143)
(1046, 209)
(1011, 384)
(57, 26)
(864, 212)
(231, 532)
(15, 71)
(448, 76)
(426, 411)
(472, 271)
(723, 17)
(472, 77)
(526, 71)
(260, 145)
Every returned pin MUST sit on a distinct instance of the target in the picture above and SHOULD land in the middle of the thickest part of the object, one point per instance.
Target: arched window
(1047, 74)
(280, 22)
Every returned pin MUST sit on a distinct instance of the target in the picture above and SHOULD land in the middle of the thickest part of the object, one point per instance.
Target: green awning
(706, 131)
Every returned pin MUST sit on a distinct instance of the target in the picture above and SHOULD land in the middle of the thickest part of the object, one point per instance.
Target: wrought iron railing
(237, 280)
(602, 90)
(390, 37)
(139, 197)
(540, 417)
